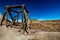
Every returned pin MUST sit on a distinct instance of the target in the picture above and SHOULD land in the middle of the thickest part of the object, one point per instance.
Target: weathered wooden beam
(10, 15)
(15, 18)
(17, 6)
(4, 16)
(15, 11)
(24, 21)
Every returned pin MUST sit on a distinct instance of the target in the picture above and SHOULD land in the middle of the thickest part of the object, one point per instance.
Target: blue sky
(39, 9)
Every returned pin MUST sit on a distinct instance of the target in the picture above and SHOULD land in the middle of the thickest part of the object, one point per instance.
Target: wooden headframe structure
(24, 12)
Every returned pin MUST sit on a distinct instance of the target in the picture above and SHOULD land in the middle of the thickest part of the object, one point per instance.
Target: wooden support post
(3, 19)
(25, 21)
(17, 16)
(6, 17)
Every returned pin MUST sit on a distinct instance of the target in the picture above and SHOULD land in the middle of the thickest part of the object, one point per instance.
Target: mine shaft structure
(24, 12)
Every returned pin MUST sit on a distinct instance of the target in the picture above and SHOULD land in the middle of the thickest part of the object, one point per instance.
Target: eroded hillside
(39, 30)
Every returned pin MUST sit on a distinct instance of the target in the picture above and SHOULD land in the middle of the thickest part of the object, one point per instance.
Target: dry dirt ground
(13, 34)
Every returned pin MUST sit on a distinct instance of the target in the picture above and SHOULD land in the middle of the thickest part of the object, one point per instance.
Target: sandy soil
(13, 34)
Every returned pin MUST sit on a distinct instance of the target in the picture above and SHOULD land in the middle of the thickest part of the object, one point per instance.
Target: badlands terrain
(39, 30)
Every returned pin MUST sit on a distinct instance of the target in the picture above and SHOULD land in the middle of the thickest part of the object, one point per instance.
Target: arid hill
(48, 25)
(39, 30)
